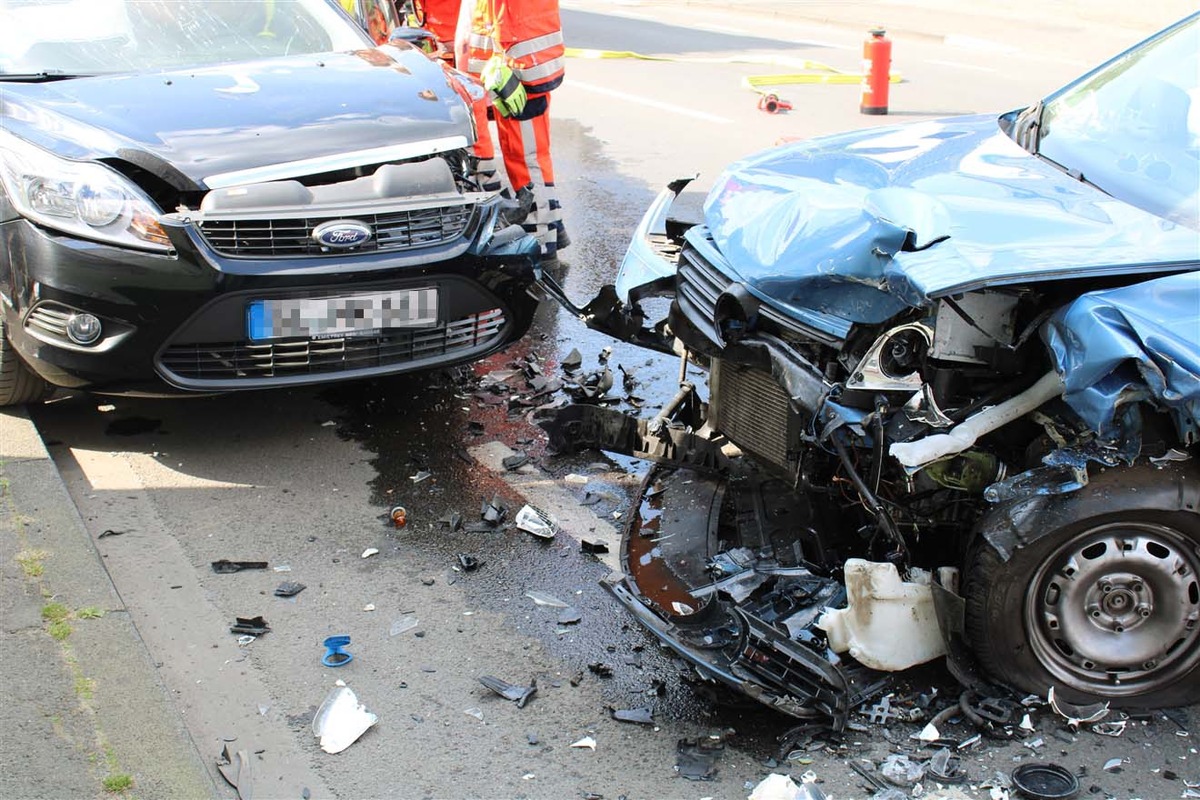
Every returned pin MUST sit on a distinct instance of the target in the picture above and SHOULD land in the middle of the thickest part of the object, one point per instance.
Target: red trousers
(525, 146)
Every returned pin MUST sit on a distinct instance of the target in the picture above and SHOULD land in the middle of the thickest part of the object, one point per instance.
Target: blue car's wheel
(1101, 604)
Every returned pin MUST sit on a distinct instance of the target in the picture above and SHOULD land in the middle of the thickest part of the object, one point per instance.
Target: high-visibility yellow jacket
(527, 31)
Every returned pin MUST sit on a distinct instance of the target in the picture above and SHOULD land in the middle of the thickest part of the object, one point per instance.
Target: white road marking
(960, 65)
(646, 101)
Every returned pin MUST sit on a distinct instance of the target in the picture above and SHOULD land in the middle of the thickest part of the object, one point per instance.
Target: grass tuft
(89, 612)
(55, 612)
(32, 562)
(120, 782)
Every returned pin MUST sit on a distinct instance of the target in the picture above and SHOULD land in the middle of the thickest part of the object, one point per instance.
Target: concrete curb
(94, 704)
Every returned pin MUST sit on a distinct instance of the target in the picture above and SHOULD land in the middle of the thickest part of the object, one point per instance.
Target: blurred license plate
(358, 314)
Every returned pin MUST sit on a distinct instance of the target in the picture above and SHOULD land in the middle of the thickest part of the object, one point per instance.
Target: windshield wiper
(40, 77)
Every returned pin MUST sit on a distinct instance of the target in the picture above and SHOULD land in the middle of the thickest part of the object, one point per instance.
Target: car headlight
(82, 198)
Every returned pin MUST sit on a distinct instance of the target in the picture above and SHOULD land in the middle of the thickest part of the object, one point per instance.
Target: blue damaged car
(207, 196)
(953, 394)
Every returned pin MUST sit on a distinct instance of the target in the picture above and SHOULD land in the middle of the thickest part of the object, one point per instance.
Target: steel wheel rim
(1115, 610)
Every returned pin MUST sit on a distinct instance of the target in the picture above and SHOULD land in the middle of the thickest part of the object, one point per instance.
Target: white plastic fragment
(544, 599)
(401, 625)
(369, 607)
(282, 568)
(1113, 764)
(530, 520)
(1026, 723)
(576, 478)
(929, 733)
(776, 787)
(474, 712)
(370, 551)
(586, 741)
(341, 719)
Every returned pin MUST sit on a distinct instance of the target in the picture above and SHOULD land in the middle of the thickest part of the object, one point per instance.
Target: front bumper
(177, 322)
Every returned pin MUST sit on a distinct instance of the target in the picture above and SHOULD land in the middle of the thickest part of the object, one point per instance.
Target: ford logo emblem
(342, 234)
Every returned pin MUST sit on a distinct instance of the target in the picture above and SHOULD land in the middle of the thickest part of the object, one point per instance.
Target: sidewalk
(86, 713)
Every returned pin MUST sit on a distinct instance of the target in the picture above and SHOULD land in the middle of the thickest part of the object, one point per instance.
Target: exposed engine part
(893, 363)
(973, 323)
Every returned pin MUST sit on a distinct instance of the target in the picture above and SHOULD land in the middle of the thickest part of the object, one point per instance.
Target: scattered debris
(530, 520)
(572, 361)
(945, 767)
(569, 616)
(341, 719)
(1113, 729)
(600, 669)
(1045, 782)
(594, 546)
(577, 479)
(403, 624)
(474, 712)
(251, 626)
(1113, 765)
(509, 691)
(696, 759)
(399, 516)
(369, 607)
(900, 770)
(335, 655)
(781, 787)
(452, 520)
(225, 567)
(370, 551)
(639, 716)
(281, 568)
(236, 771)
(468, 563)
(587, 741)
(493, 512)
(111, 532)
(515, 461)
(544, 599)
(289, 589)
(1076, 715)
(420, 476)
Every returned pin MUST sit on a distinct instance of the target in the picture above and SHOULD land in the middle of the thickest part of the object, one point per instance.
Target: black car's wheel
(1104, 603)
(18, 383)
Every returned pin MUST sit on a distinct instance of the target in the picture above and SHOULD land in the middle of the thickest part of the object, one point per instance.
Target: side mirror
(420, 38)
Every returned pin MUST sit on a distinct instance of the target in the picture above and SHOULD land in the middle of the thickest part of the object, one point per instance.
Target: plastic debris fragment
(1113, 729)
(586, 742)
(468, 563)
(1044, 781)
(1076, 715)
(639, 716)
(576, 478)
(510, 691)
(696, 759)
(474, 712)
(420, 476)
(224, 566)
(236, 771)
(545, 599)
(289, 589)
(569, 616)
(493, 512)
(530, 520)
(782, 787)
(600, 669)
(341, 719)
(335, 654)
(594, 546)
(572, 361)
(402, 625)
(515, 461)
(253, 626)
(900, 770)
(370, 551)
(1113, 765)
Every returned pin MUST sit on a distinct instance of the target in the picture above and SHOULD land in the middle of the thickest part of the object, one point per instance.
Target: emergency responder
(516, 47)
(440, 17)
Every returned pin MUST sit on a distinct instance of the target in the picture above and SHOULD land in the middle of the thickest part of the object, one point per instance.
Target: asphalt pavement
(85, 701)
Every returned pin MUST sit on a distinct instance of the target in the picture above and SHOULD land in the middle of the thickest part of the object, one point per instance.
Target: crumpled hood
(863, 224)
(188, 125)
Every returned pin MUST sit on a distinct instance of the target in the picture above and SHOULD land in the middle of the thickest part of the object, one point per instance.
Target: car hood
(189, 125)
(864, 224)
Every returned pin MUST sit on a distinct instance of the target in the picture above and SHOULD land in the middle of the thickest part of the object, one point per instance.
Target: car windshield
(1133, 127)
(89, 37)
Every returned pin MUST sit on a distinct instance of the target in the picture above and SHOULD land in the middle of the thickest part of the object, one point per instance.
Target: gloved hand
(508, 93)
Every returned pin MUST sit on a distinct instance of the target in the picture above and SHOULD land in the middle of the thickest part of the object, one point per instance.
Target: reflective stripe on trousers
(525, 145)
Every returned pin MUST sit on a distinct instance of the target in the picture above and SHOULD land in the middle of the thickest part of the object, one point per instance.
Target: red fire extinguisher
(877, 68)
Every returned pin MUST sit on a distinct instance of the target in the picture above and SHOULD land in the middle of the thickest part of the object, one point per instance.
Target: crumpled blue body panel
(1123, 345)
(865, 224)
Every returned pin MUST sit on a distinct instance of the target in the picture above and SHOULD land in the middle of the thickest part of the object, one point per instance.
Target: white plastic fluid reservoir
(888, 624)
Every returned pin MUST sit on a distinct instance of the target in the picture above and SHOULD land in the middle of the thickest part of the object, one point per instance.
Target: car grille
(752, 409)
(699, 285)
(235, 361)
(291, 237)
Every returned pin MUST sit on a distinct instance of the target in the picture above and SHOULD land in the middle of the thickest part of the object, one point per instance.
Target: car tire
(1102, 598)
(18, 383)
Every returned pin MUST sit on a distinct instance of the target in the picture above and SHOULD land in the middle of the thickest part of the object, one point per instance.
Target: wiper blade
(39, 77)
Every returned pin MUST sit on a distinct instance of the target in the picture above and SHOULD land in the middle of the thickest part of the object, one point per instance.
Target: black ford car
(204, 196)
